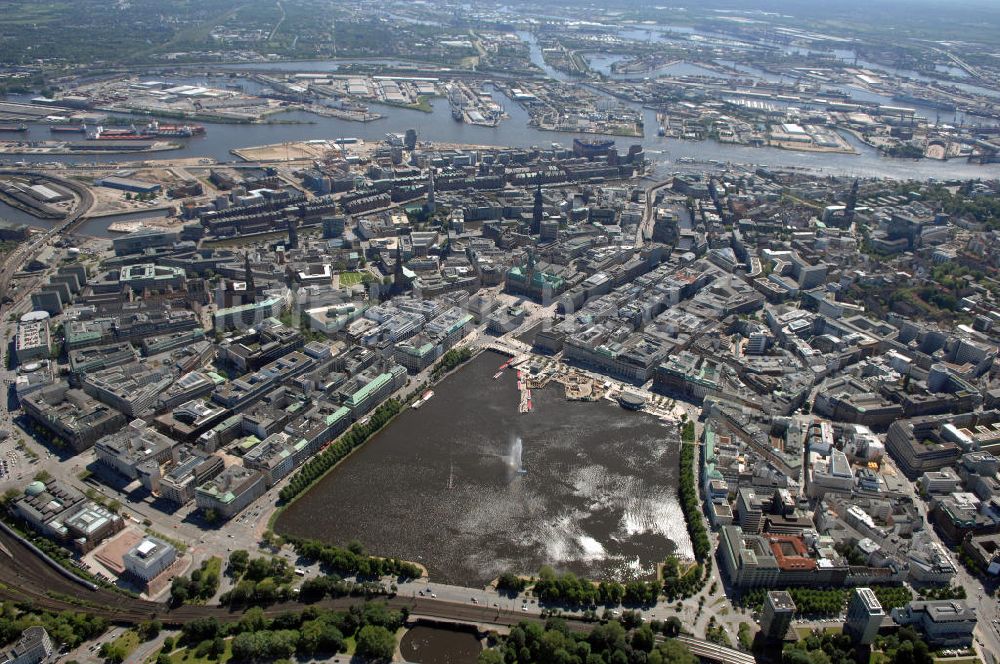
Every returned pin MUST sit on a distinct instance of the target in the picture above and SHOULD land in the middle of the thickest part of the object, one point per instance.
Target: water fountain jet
(514, 458)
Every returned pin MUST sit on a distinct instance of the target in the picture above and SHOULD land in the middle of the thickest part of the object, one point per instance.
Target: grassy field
(350, 278)
(803, 632)
(214, 565)
(189, 656)
(128, 641)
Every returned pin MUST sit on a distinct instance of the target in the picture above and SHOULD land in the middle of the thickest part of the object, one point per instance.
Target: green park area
(350, 278)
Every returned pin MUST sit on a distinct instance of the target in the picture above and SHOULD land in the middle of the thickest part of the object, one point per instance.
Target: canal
(597, 495)
(426, 644)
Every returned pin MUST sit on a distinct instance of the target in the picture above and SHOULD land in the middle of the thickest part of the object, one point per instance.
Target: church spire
(537, 210)
(399, 283)
(248, 277)
(431, 205)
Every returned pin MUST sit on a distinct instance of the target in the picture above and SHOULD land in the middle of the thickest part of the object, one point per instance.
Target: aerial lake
(595, 492)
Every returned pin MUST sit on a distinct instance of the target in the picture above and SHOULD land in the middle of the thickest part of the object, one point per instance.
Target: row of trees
(316, 588)
(569, 590)
(308, 634)
(680, 582)
(322, 462)
(893, 597)
(256, 593)
(943, 592)
(450, 360)
(830, 601)
(354, 561)
(511, 583)
(265, 567)
(70, 628)
(688, 493)
(903, 647)
(271, 645)
(808, 601)
(820, 648)
(611, 643)
(202, 585)
(259, 581)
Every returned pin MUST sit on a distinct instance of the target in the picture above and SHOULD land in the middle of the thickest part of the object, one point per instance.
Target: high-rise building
(864, 616)
(748, 509)
(757, 343)
(776, 616)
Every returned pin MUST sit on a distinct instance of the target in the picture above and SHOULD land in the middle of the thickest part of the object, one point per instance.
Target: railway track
(25, 577)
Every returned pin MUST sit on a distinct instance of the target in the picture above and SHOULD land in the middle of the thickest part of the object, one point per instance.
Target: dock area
(524, 404)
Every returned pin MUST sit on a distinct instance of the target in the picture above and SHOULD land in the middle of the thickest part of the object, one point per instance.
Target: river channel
(439, 127)
(667, 155)
(597, 493)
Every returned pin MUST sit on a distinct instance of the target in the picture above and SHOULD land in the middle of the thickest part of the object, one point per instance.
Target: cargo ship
(68, 129)
(172, 131)
(152, 130)
(17, 129)
(923, 101)
(102, 134)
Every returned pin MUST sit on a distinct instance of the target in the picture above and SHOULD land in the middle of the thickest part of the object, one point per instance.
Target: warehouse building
(129, 184)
